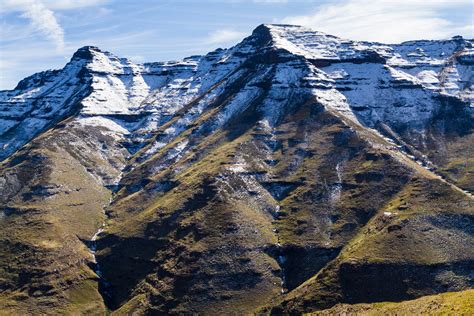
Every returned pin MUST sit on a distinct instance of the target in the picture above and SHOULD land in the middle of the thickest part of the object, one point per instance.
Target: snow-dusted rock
(365, 81)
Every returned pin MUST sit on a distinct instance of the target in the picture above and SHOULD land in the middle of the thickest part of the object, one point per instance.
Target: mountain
(291, 173)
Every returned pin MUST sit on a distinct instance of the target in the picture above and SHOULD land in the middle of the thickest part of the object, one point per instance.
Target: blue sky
(36, 35)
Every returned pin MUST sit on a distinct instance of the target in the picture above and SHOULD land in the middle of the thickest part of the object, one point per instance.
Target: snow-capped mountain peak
(365, 81)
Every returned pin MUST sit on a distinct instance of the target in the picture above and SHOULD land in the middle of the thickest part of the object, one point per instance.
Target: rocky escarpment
(291, 172)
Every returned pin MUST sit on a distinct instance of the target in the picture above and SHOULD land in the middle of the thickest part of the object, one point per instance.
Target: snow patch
(100, 121)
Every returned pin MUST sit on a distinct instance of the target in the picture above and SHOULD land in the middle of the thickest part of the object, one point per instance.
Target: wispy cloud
(44, 21)
(224, 36)
(384, 21)
(42, 18)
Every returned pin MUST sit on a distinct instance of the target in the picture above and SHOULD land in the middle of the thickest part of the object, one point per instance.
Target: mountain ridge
(125, 101)
(274, 176)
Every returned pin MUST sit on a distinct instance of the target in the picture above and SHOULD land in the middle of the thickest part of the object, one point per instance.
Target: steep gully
(102, 283)
(93, 249)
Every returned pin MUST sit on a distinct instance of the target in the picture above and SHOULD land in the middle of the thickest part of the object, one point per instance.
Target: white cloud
(384, 21)
(44, 21)
(41, 15)
(224, 36)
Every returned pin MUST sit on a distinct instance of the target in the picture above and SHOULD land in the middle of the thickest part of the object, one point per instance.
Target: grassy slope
(53, 204)
(455, 159)
(417, 244)
(453, 303)
(210, 237)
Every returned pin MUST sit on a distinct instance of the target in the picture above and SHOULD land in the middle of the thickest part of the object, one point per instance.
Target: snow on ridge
(365, 81)
(379, 82)
(105, 122)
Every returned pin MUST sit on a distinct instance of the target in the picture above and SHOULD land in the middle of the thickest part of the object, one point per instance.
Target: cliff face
(291, 172)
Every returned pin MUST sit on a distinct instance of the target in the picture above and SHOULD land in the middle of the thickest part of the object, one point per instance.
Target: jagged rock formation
(291, 172)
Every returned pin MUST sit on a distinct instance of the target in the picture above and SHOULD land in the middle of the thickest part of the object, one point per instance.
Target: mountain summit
(287, 174)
